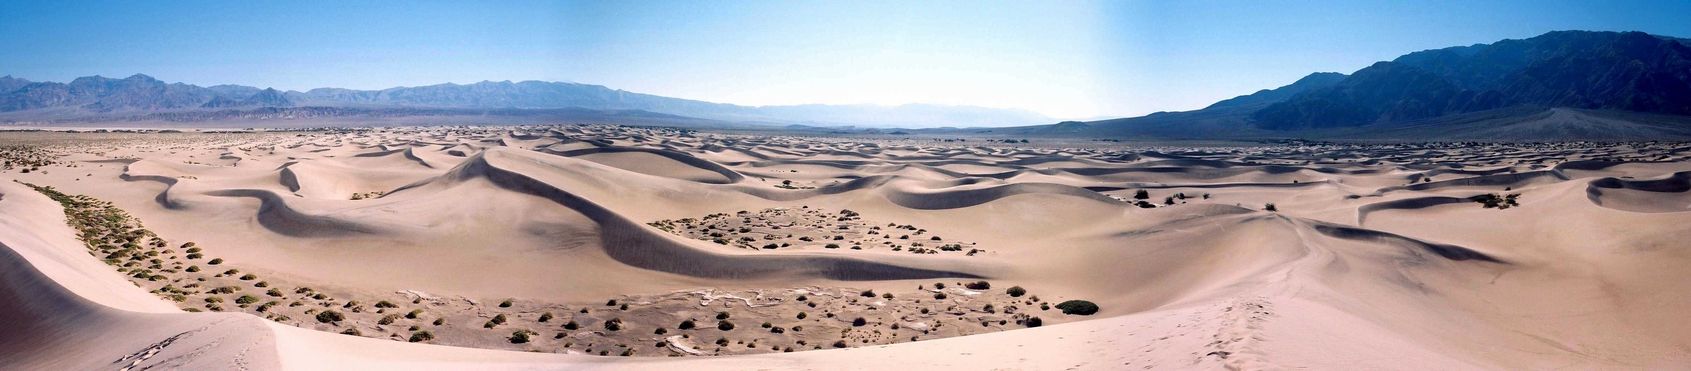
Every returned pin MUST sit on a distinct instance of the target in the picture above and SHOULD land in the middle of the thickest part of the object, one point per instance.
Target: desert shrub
(721, 315)
(1034, 322)
(886, 296)
(248, 277)
(386, 304)
(520, 336)
(1141, 195)
(352, 331)
(615, 324)
(505, 304)
(859, 322)
(193, 268)
(572, 325)
(274, 292)
(660, 331)
(939, 285)
(421, 336)
(725, 326)
(1270, 207)
(545, 316)
(978, 285)
(686, 325)
(868, 293)
(1078, 307)
(1016, 291)
(388, 319)
(215, 261)
(414, 314)
(439, 321)
(839, 343)
(832, 246)
(246, 299)
(939, 296)
(329, 316)
(802, 315)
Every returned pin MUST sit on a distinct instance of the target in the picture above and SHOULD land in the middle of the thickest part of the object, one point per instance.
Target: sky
(1064, 59)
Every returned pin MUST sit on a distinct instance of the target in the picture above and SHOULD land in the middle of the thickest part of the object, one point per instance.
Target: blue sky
(1064, 59)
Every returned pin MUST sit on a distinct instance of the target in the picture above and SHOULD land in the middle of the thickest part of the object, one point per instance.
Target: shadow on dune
(689, 160)
(1451, 252)
(1664, 195)
(1406, 204)
(634, 244)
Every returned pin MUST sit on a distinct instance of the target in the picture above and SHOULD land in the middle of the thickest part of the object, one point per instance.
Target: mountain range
(1563, 85)
(142, 97)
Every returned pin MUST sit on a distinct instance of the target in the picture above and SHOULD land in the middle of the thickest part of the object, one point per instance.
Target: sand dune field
(585, 247)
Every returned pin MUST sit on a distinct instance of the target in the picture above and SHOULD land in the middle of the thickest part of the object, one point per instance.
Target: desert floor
(615, 247)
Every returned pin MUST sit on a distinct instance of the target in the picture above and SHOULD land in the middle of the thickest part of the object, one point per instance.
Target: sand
(1374, 256)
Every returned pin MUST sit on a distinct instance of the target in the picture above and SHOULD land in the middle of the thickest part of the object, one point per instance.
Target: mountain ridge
(141, 95)
(1560, 85)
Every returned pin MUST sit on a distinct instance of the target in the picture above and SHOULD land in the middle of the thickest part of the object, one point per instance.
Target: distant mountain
(9, 83)
(1314, 81)
(1224, 119)
(1563, 85)
(1628, 71)
(141, 95)
(263, 98)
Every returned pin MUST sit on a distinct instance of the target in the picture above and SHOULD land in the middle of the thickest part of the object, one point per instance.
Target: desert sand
(581, 247)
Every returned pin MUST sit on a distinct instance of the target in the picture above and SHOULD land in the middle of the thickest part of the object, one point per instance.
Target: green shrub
(246, 299)
(520, 336)
(215, 261)
(329, 316)
(1078, 307)
(421, 336)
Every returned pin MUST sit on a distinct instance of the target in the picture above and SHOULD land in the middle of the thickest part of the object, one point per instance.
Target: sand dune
(1375, 257)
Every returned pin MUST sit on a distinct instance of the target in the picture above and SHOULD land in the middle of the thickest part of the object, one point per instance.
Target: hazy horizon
(1064, 60)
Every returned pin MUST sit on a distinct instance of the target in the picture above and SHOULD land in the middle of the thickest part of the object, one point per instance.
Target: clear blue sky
(1064, 59)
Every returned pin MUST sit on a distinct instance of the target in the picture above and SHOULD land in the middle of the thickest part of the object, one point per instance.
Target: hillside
(1563, 85)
